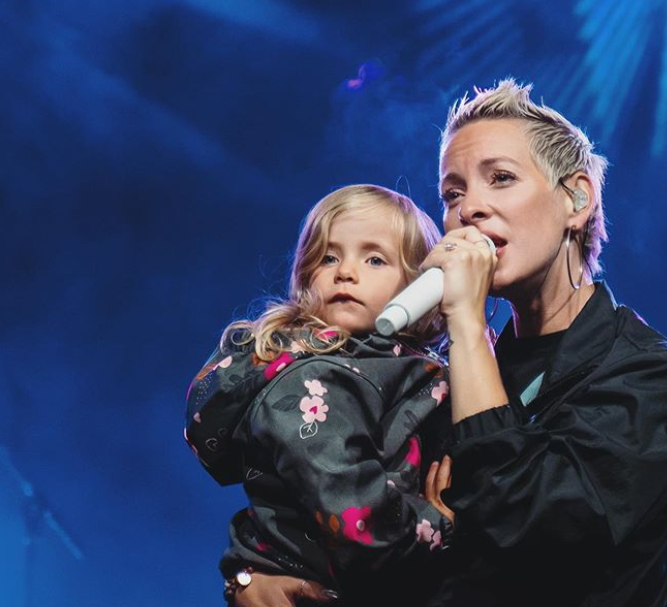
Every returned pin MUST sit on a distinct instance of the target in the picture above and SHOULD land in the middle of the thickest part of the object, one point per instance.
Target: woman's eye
(449, 197)
(376, 261)
(502, 177)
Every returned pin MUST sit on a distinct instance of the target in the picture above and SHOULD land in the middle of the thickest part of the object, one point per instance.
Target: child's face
(360, 271)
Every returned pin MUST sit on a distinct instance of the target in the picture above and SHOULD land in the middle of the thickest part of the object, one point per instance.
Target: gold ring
(301, 589)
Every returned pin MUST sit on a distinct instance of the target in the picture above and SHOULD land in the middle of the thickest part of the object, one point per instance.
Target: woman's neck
(546, 313)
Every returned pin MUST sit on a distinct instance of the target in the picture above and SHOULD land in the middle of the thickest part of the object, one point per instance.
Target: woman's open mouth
(499, 242)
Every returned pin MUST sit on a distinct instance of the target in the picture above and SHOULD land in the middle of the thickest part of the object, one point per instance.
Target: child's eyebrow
(365, 245)
(372, 245)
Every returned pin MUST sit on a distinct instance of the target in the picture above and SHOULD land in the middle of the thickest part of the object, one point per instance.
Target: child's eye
(376, 261)
(502, 177)
(328, 260)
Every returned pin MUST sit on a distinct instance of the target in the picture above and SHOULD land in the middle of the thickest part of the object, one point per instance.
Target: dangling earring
(567, 258)
(493, 335)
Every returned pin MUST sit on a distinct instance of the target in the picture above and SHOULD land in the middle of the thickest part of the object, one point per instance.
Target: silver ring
(449, 246)
(301, 588)
(485, 239)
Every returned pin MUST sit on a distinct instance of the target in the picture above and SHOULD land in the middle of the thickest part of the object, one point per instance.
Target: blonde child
(322, 420)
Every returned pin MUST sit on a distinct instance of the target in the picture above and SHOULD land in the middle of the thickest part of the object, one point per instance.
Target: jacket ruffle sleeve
(321, 423)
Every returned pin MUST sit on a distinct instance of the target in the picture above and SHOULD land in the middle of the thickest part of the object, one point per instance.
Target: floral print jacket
(328, 448)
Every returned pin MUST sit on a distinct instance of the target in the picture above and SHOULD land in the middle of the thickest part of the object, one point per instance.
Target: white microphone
(415, 300)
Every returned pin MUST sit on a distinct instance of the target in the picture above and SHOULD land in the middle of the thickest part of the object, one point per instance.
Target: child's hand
(439, 477)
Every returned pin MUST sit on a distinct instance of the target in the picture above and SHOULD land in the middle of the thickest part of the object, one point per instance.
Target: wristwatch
(244, 577)
(241, 579)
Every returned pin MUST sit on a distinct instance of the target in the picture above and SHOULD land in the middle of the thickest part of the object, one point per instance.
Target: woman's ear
(581, 199)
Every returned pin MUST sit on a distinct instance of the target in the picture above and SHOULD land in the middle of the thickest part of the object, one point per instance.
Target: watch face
(243, 578)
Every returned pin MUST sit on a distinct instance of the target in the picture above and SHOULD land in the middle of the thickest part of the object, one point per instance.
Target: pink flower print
(224, 363)
(314, 409)
(440, 392)
(413, 456)
(358, 523)
(278, 365)
(424, 532)
(315, 387)
(197, 417)
(296, 348)
(326, 335)
(397, 350)
(427, 535)
(436, 541)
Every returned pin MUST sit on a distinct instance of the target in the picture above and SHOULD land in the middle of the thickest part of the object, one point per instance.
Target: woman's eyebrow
(453, 178)
(492, 161)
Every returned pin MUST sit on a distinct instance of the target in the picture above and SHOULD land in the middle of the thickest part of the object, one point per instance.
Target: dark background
(156, 158)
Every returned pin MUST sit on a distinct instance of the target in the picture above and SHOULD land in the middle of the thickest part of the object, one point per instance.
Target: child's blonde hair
(418, 234)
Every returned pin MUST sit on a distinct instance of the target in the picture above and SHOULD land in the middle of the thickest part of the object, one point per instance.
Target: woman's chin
(498, 285)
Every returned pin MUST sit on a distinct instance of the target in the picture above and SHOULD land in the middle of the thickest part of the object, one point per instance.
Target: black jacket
(563, 502)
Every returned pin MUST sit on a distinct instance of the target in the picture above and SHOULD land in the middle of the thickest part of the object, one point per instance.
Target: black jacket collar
(585, 343)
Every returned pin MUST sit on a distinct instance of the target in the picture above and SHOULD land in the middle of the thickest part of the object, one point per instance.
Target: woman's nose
(472, 209)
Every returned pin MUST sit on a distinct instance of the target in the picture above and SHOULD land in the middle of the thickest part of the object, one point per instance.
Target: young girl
(318, 416)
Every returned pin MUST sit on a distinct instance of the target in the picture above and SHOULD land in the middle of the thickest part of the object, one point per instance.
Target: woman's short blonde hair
(417, 233)
(558, 147)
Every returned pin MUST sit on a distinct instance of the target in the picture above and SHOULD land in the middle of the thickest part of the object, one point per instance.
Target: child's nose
(346, 273)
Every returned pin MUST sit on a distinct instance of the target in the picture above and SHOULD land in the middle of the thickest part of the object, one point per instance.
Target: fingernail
(330, 594)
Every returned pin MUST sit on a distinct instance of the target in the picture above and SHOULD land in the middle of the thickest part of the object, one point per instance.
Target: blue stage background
(156, 158)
